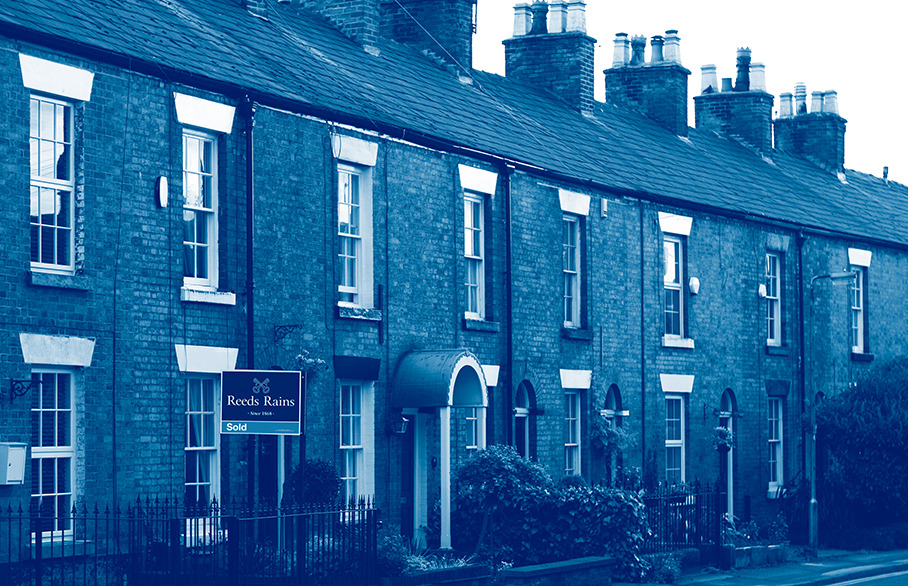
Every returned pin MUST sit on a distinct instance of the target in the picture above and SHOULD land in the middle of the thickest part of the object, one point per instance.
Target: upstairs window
(200, 201)
(673, 259)
(349, 232)
(52, 184)
(474, 246)
(570, 245)
(773, 301)
(858, 317)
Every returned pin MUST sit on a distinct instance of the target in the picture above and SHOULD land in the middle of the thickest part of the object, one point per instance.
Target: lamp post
(813, 507)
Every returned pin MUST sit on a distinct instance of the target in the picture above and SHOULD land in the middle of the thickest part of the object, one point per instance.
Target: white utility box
(12, 463)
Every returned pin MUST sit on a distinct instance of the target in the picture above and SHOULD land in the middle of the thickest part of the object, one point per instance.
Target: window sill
(576, 333)
(207, 296)
(41, 279)
(361, 313)
(480, 325)
(861, 356)
(672, 342)
(773, 350)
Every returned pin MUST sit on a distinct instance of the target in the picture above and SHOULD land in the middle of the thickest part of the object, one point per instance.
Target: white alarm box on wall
(12, 463)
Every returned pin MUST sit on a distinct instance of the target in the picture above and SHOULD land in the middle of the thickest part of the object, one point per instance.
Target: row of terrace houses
(453, 258)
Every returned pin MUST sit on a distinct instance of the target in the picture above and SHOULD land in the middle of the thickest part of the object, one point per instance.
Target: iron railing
(681, 517)
(165, 542)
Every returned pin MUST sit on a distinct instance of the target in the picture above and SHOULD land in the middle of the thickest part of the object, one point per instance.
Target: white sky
(857, 49)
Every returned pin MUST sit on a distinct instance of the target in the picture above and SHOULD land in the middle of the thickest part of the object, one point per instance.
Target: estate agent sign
(261, 401)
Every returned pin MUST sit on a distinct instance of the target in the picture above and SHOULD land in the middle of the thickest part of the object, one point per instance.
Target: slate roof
(300, 59)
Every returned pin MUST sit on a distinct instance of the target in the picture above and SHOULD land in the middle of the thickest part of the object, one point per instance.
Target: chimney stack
(441, 27)
(553, 52)
(743, 111)
(657, 89)
(818, 135)
(358, 19)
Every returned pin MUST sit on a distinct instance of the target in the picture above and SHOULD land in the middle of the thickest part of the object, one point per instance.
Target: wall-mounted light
(694, 285)
(400, 425)
(761, 290)
(160, 189)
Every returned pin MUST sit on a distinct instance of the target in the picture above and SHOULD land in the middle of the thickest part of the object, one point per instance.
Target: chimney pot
(742, 82)
(709, 82)
(576, 16)
(758, 77)
(540, 12)
(672, 51)
(816, 101)
(885, 173)
(620, 57)
(726, 84)
(800, 98)
(831, 102)
(522, 19)
(786, 105)
(638, 46)
(557, 16)
(656, 51)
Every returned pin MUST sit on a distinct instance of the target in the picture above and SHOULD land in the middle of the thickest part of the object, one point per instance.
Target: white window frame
(773, 273)
(40, 184)
(209, 214)
(675, 442)
(359, 293)
(357, 457)
(522, 414)
(673, 284)
(572, 433)
(472, 419)
(209, 415)
(776, 445)
(474, 255)
(858, 313)
(571, 269)
(62, 523)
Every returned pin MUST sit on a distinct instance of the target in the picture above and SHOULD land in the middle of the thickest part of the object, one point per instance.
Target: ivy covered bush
(864, 481)
(508, 509)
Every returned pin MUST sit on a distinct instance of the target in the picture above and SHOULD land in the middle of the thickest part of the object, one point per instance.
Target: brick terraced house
(197, 186)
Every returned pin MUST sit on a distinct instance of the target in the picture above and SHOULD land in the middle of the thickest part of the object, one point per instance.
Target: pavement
(829, 567)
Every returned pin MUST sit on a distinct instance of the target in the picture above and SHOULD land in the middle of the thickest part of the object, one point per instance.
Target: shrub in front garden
(508, 509)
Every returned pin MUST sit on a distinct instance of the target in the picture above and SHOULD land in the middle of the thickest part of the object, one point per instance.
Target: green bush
(508, 509)
(313, 482)
(392, 552)
(865, 434)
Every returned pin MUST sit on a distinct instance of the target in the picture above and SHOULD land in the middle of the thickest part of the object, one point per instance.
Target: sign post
(266, 402)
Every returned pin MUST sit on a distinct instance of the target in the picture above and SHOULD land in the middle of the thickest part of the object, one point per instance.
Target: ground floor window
(52, 452)
(356, 439)
(201, 448)
(776, 477)
(674, 440)
(571, 433)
